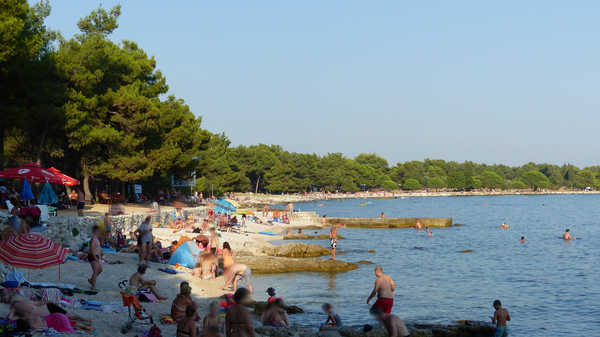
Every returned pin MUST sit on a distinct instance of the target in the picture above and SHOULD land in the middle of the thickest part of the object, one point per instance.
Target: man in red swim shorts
(384, 290)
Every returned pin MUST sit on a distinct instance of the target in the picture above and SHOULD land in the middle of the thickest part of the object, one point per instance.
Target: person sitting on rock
(392, 323)
(275, 315)
(137, 281)
(238, 320)
(333, 319)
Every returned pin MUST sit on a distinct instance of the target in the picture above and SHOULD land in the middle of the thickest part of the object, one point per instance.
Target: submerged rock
(276, 265)
(364, 262)
(260, 307)
(296, 250)
(309, 237)
(466, 251)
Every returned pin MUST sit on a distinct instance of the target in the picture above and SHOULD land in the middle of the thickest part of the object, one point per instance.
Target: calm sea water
(551, 287)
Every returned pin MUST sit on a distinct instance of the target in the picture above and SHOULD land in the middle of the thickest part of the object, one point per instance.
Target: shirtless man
(567, 235)
(239, 272)
(238, 320)
(137, 280)
(384, 290)
(501, 316)
(392, 323)
(95, 256)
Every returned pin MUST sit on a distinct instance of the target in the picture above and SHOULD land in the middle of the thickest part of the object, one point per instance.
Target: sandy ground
(109, 324)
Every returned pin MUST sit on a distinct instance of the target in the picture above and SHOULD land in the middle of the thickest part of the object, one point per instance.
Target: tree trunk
(42, 143)
(2, 146)
(256, 189)
(86, 181)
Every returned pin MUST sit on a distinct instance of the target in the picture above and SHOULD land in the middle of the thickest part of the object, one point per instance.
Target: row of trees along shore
(99, 110)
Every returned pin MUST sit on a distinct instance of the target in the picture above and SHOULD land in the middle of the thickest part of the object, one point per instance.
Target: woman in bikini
(182, 301)
(95, 256)
(187, 326)
(228, 260)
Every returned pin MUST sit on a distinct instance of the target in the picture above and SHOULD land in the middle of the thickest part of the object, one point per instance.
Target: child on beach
(213, 319)
(501, 316)
(333, 319)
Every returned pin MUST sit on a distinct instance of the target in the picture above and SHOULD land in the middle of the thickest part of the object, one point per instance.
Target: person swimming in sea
(522, 239)
(504, 226)
(430, 233)
(567, 235)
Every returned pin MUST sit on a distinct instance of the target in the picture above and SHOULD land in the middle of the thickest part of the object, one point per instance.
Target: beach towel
(168, 270)
(49, 295)
(59, 322)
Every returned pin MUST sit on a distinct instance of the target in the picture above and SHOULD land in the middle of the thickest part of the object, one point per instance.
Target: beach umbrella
(26, 193)
(35, 174)
(47, 196)
(63, 178)
(31, 251)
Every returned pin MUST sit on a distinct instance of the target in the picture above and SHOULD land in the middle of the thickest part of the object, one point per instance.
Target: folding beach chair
(136, 312)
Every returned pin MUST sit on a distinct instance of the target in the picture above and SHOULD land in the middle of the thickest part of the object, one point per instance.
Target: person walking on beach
(213, 241)
(95, 256)
(392, 323)
(501, 316)
(384, 290)
(80, 201)
(144, 235)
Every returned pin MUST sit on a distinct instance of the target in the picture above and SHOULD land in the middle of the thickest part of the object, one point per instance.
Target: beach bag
(154, 332)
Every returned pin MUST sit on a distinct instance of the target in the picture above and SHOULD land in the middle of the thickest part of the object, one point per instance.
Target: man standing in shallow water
(501, 316)
(333, 239)
(384, 290)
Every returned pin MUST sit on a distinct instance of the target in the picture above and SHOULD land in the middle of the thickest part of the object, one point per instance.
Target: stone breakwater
(390, 222)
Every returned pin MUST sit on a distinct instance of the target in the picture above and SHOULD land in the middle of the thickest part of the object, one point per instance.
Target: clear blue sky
(495, 82)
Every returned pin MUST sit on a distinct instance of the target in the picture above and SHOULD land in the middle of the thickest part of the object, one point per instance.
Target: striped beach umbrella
(31, 251)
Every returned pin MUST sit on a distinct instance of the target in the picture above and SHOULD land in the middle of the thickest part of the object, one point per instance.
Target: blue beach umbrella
(47, 196)
(26, 193)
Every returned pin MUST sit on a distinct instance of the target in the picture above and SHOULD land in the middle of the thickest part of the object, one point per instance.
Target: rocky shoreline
(257, 200)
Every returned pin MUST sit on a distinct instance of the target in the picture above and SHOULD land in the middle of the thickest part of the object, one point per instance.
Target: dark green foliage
(411, 184)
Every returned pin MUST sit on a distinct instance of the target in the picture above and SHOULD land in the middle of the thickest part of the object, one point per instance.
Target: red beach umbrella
(35, 174)
(64, 179)
(31, 251)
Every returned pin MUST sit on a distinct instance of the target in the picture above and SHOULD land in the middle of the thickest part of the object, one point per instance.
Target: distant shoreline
(252, 199)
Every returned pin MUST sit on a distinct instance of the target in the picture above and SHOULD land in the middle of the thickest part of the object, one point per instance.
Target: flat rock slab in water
(390, 222)
(296, 250)
(277, 265)
(260, 307)
(309, 237)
